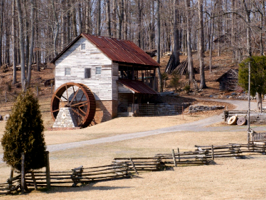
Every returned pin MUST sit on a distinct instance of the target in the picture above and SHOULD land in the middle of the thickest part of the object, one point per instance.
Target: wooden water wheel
(79, 98)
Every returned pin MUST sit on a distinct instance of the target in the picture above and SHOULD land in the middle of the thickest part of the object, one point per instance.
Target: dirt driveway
(200, 125)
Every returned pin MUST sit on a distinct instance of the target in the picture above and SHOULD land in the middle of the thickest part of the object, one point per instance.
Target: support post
(34, 180)
(10, 180)
(212, 153)
(48, 184)
(133, 165)
(22, 173)
(178, 154)
(173, 154)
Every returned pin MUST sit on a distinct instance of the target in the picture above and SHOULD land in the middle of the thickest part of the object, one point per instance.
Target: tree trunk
(176, 34)
(259, 102)
(233, 43)
(211, 41)
(108, 16)
(21, 40)
(159, 32)
(32, 4)
(26, 36)
(88, 16)
(1, 30)
(140, 8)
(74, 21)
(56, 28)
(120, 17)
(99, 18)
(14, 43)
(189, 55)
(200, 45)
(261, 33)
(79, 18)
(114, 19)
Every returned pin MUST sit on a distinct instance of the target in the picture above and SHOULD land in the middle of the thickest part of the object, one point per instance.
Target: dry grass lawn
(227, 179)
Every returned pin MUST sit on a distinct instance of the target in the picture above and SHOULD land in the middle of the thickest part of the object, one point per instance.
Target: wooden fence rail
(125, 167)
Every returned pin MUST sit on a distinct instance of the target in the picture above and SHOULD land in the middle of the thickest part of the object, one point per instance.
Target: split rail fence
(125, 167)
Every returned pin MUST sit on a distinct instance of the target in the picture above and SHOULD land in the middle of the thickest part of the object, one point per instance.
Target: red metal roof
(122, 51)
(137, 86)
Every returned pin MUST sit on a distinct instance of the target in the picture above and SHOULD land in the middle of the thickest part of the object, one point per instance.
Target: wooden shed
(229, 80)
(118, 72)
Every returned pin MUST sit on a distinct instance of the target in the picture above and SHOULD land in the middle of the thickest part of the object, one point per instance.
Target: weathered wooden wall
(102, 85)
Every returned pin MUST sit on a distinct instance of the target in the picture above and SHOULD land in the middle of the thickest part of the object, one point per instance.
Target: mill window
(98, 70)
(67, 71)
(83, 46)
(87, 72)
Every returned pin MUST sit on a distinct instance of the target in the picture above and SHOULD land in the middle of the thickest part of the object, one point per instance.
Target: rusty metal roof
(137, 86)
(121, 51)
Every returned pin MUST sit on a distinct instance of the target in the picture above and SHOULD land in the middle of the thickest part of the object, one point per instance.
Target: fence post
(173, 154)
(212, 153)
(10, 180)
(48, 184)
(22, 172)
(178, 154)
(5, 96)
(34, 180)
(133, 165)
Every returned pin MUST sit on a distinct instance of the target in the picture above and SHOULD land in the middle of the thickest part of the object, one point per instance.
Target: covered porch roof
(135, 87)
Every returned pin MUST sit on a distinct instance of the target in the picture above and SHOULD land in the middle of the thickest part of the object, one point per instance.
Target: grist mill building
(120, 74)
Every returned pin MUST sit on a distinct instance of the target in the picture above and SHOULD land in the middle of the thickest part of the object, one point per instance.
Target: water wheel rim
(85, 115)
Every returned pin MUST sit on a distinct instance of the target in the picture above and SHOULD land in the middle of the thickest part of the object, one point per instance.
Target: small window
(83, 46)
(87, 72)
(98, 70)
(67, 71)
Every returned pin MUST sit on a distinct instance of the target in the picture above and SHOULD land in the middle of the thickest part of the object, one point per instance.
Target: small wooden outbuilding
(118, 72)
(229, 80)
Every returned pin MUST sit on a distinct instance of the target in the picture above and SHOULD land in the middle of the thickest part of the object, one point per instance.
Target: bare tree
(21, 40)
(189, 55)
(1, 29)
(99, 18)
(120, 17)
(108, 17)
(201, 45)
(32, 4)
(14, 43)
(176, 51)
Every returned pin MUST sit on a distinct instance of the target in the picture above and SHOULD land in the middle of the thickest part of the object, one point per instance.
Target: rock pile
(200, 108)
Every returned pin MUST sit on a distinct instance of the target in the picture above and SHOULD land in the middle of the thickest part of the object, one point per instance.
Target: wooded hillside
(42, 28)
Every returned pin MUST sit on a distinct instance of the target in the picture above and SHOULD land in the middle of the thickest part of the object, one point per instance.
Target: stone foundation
(65, 119)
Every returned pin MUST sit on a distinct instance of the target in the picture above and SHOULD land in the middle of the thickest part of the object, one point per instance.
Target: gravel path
(200, 125)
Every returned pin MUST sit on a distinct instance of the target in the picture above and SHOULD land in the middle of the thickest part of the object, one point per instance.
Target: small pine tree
(174, 82)
(257, 76)
(24, 133)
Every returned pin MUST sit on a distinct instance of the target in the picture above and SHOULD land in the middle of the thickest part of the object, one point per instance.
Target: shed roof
(137, 86)
(233, 72)
(121, 51)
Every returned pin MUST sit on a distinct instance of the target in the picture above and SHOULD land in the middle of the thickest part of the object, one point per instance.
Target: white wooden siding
(102, 85)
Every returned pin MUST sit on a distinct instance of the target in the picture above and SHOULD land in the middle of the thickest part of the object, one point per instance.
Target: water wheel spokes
(79, 98)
